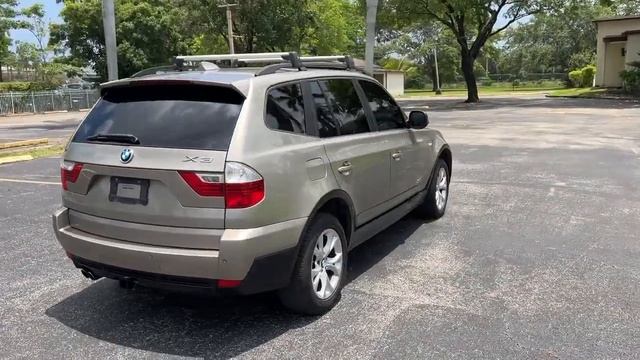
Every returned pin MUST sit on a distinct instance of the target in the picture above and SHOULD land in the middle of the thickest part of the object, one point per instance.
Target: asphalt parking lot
(55, 126)
(537, 257)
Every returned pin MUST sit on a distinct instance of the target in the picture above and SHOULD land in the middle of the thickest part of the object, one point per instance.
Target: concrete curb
(12, 159)
(20, 143)
(592, 97)
(25, 114)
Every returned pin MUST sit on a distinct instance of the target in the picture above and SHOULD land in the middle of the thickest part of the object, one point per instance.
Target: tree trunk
(1, 78)
(470, 78)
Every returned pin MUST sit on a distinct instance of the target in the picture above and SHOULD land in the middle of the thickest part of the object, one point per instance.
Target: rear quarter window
(168, 116)
(285, 108)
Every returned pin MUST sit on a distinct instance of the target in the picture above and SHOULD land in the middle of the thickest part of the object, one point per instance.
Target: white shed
(392, 80)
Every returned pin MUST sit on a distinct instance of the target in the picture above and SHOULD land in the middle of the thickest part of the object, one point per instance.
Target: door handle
(345, 169)
(396, 155)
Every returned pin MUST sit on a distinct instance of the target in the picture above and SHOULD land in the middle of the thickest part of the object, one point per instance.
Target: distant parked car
(77, 86)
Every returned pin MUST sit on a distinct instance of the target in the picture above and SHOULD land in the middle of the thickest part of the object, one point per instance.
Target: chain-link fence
(44, 101)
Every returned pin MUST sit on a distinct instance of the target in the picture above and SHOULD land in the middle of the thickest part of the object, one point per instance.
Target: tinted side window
(387, 113)
(285, 108)
(345, 105)
(325, 123)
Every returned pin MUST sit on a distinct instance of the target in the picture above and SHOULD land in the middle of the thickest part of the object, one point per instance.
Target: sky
(52, 11)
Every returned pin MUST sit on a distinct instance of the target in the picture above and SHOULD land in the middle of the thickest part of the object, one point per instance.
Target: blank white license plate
(129, 191)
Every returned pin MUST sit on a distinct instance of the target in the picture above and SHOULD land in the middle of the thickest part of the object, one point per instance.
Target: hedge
(25, 86)
(583, 77)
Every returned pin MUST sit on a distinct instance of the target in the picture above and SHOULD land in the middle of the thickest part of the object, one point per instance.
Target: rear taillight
(204, 184)
(243, 187)
(69, 172)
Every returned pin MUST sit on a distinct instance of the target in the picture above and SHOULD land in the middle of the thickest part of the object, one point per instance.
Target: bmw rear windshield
(184, 116)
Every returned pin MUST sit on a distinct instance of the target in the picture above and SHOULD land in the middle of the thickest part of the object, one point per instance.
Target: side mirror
(418, 120)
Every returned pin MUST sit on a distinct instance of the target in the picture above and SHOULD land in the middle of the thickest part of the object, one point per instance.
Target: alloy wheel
(441, 189)
(326, 264)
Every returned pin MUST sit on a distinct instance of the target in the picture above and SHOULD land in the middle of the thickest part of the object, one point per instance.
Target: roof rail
(251, 57)
(271, 69)
(281, 60)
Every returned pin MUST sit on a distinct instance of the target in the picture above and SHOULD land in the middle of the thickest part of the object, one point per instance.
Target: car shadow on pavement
(198, 325)
(175, 323)
(365, 256)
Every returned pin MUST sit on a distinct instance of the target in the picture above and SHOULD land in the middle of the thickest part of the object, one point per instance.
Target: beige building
(392, 80)
(618, 45)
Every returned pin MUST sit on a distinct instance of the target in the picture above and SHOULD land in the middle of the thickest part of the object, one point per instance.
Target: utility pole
(435, 58)
(109, 22)
(229, 25)
(372, 9)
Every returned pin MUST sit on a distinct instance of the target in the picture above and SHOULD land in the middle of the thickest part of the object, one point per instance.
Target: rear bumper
(261, 257)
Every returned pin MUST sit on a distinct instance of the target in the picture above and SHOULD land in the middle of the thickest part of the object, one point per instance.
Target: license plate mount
(129, 190)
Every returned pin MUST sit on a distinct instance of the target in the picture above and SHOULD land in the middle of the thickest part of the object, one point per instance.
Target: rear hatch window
(168, 116)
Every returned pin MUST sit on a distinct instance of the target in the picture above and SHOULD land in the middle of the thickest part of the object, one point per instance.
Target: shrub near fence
(46, 101)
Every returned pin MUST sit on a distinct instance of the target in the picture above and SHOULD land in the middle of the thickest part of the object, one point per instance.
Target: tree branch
(511, 21)
(484, 30)
(447, 23)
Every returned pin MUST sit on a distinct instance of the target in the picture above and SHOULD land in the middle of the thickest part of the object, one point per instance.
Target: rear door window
(285, 108)
(167, 116)
(345, 106)
(386, 112)
(325, 123)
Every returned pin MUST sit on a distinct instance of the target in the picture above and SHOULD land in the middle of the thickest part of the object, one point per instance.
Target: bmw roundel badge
(126, 155)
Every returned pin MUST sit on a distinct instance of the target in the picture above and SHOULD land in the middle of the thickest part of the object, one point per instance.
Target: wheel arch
(445, 154)
(339, 204)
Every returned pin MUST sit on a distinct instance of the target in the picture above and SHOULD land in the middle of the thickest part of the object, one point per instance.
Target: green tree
(337, 28)
(8, 13)
(149, 33)
(32, 19)
(309, 26)
(621, 7)
(560, 40)
(417, 42)
(473, 23)
(557, 41)
(28, 59)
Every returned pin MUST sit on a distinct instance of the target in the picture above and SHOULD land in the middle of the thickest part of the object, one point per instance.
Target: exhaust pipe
(88, 274)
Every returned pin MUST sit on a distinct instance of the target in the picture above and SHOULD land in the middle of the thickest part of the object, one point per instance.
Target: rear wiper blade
(117, 138)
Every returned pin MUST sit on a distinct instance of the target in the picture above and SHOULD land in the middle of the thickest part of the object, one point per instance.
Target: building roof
(617, 18)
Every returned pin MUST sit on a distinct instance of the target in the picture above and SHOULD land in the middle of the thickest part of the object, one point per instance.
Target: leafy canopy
(150, 33)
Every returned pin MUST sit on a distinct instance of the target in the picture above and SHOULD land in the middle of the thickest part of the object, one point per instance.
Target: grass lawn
(38, 152)
(580, 92)
(486, 90)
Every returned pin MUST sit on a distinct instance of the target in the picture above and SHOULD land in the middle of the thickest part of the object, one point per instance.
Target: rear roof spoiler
(130, 82)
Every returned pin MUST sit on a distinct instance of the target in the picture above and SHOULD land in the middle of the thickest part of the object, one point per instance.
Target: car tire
(434, 204)
(314, 288)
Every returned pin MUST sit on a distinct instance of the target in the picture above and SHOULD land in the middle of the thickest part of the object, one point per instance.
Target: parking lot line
(29, 181)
